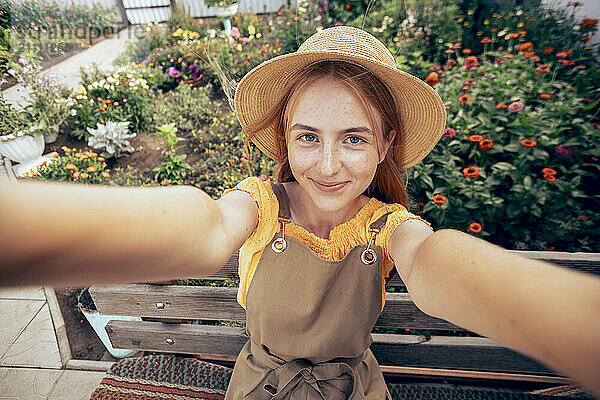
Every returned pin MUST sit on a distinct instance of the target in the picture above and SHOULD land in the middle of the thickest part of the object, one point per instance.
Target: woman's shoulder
(396, 213)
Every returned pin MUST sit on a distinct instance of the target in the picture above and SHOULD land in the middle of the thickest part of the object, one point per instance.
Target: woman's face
(331, 146)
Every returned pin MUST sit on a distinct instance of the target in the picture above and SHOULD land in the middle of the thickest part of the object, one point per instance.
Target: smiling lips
(329, 186)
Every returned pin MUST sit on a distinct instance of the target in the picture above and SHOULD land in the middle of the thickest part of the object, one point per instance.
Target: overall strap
(376, 227)
(284, 201)
(379, 223)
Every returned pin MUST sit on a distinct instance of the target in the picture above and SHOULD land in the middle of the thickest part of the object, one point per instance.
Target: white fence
(141, 11)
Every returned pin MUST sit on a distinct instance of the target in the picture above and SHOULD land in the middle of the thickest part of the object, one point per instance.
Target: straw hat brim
(422, 111)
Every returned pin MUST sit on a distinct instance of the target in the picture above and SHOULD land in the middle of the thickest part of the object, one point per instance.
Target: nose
(330, 162)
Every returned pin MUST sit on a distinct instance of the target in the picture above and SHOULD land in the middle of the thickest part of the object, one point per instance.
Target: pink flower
(449, 133)
(516, 106)
(338, 24)
(262, 177)
(235, 33)
(245, 40)
(563, 152)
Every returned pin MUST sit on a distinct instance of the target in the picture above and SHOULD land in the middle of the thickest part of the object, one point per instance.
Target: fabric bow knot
(300, 379)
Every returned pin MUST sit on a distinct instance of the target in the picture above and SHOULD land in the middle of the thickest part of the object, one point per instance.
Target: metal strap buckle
(280, 244)
(368, 256)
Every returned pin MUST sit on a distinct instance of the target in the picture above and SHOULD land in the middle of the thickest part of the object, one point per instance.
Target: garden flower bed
(50, 32)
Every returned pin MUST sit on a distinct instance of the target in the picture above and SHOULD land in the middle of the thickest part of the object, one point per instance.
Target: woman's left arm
(549, 313)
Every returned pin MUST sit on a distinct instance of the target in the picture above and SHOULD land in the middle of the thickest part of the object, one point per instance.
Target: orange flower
(486, 144)
(432, 79)
(471, 172)
(475, 138)
(551, 248)
(548, 171)
(545, 96)
(464, 98)
(475, 227)
(584, 38)
(439, 199)
(91, 168)
(105, 174)
(528, 143)
(84, 175)
(525, 46)
(70, 166)
(100, 158)
(548, 50)
(501, 106)
(513, 35)
(550, 178)
(589, 21)
(528, 54)
(467, 51)
(76, 174)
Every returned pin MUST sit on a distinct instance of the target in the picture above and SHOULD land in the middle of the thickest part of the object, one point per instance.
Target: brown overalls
(310, 323)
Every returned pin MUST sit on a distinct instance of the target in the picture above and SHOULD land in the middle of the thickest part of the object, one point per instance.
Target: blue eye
(307, 137)
(356, 140)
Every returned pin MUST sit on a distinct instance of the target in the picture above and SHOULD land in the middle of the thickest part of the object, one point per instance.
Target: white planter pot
(98, 322)
(25, 150)
(227, 11)
(50, 137)
(22, 148)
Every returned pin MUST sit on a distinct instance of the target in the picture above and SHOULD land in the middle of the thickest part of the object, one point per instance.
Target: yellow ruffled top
(342, 238)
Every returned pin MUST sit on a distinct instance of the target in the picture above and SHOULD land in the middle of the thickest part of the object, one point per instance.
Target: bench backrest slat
(406, 350)
(220, 303)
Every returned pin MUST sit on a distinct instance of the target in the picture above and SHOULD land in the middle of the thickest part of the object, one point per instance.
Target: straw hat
(422, 111)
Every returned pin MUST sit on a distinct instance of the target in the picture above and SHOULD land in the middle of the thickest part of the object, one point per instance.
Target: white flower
(73, 112)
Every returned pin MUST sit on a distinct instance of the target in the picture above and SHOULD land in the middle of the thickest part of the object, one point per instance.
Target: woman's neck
(320, 223)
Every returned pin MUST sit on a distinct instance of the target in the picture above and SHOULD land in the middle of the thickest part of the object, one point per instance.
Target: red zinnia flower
(550, 178)
(545, 96)
(471, 172)
(475, 227)
(432, 79)
(475, 138)
(464, 98)
(439, 199)
(548, 171)
(528, 143)
(486, 144)
(501, 106)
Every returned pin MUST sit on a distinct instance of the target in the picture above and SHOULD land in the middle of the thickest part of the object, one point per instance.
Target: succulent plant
(113, 138)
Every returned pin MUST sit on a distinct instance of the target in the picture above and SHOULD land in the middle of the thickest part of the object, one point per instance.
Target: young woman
(316, 247)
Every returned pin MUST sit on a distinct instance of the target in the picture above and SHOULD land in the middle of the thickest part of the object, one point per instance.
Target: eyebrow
(348, 130)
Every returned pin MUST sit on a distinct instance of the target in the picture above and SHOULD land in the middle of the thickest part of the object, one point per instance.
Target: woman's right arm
(66, 234)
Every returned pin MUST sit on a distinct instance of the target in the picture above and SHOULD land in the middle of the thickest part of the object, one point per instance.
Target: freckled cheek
(361, 163)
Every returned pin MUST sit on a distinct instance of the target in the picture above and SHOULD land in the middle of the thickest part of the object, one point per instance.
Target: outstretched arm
(72, 234)
(550, 313)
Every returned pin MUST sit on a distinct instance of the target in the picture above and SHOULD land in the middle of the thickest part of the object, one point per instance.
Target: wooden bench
(400, 355)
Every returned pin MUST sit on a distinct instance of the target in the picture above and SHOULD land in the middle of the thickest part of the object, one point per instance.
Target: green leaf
(513, 209)
(512, 147)
(427, 179)
(503, 166)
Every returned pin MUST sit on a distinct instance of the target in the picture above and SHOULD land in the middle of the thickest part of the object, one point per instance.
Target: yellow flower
(486, 22)
(258, 35)
(251, 29)
(70, 166)
(470, 12)
(84, 175)
(520, 25)
(91, 168)
(239, 47)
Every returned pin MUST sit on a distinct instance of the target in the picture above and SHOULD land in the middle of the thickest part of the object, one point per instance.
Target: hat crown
(348, 40)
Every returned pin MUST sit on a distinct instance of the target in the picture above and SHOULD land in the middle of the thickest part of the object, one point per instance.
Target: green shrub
(537, 165)
(187, 107)
(225, 161)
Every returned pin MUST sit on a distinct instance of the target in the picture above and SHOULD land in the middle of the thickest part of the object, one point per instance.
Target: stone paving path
(32, 364)
(33, 346)
(67, 71)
